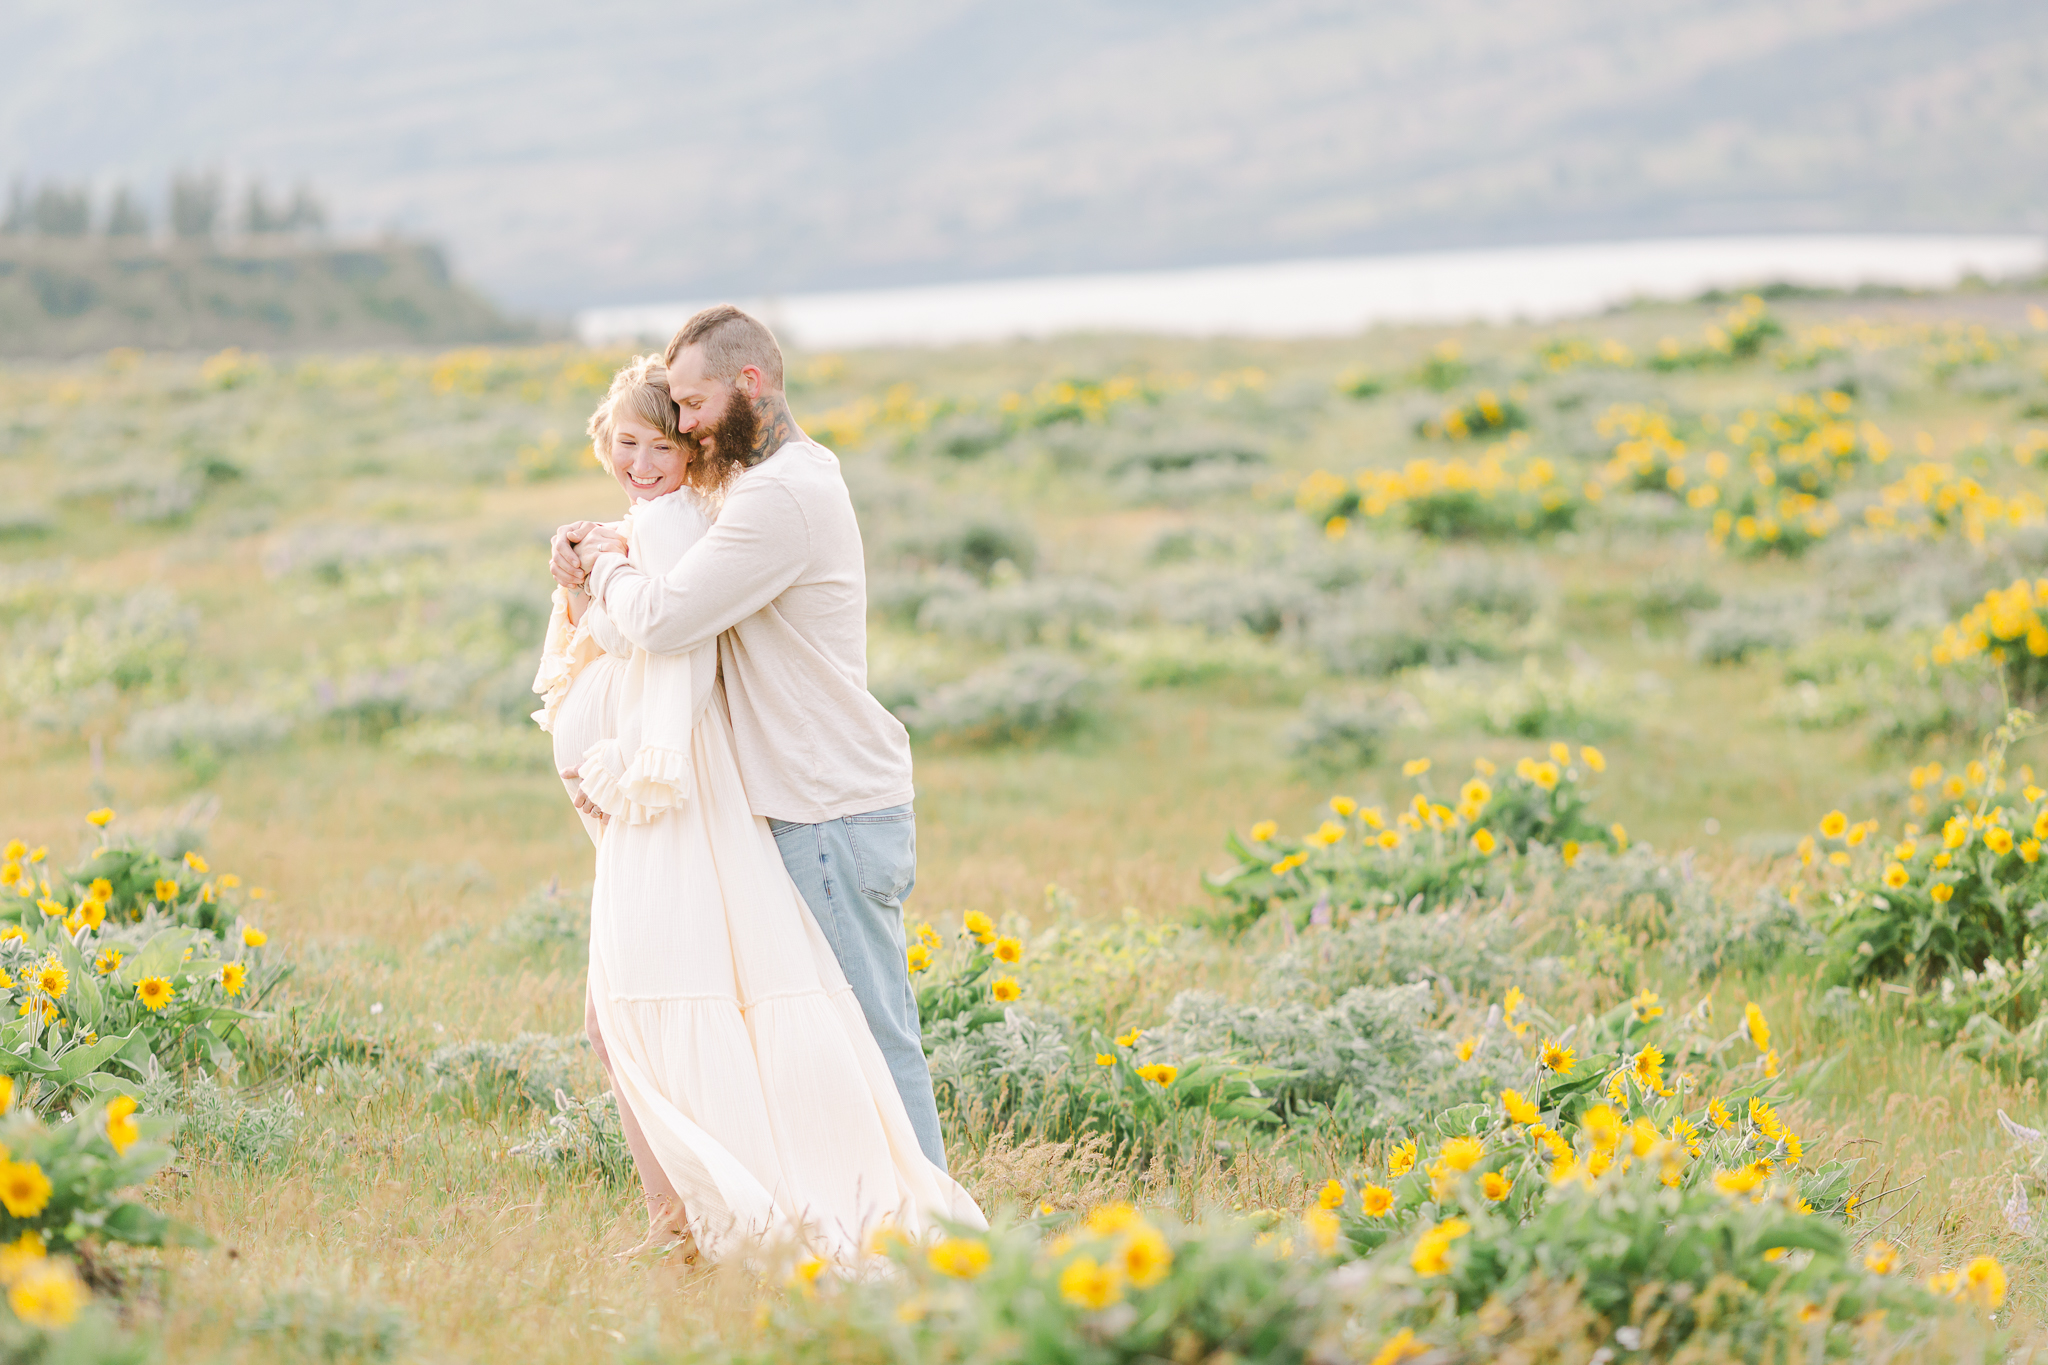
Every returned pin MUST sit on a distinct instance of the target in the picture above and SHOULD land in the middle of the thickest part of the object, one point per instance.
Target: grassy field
(287, 610)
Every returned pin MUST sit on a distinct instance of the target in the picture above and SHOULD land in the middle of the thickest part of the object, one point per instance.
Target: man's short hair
(732, 340)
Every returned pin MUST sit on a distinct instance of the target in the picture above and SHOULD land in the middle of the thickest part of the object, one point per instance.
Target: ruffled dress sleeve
(567, 649)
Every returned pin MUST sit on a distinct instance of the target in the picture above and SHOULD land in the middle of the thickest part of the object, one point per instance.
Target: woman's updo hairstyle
(639, 390)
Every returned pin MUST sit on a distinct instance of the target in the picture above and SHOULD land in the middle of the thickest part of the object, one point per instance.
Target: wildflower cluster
(1115, 1283)
(2006, 629)
(1740, 334)
(1505, 492)
(1772, 493)
(1369, 857)
(65, 1186)
(1949, 894)
(1639, 1085)
(1933, 500)
(1644, 1166)
(1485, 413)
(1558, 354)
(902, 411)
(981, 984)
(128, 958)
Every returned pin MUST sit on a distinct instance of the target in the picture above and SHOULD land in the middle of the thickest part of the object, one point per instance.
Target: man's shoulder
(804, 470)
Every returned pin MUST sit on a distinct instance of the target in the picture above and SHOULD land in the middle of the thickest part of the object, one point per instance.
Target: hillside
(878, 143)
(72, 297)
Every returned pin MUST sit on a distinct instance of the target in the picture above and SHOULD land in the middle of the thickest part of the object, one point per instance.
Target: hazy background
(616, 153)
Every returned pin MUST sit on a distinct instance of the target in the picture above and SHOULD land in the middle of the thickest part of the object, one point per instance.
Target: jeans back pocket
(884, 853)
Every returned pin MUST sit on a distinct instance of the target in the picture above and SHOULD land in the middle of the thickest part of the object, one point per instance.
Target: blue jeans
(854, 873)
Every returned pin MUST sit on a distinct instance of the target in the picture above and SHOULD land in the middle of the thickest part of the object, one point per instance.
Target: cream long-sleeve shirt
(780, 581)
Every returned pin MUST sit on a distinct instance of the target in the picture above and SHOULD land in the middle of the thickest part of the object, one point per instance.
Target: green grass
(369, 857)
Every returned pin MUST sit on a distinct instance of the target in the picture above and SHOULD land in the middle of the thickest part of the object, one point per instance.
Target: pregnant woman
(755, 1099)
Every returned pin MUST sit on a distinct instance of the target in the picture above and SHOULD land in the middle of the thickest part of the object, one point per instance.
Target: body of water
(1336, 297)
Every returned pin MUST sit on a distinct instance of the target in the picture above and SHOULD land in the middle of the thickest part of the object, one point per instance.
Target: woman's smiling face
(646, 462)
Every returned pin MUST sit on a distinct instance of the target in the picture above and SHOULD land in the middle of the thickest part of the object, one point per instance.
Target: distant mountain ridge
(616, 153)
(61, 298)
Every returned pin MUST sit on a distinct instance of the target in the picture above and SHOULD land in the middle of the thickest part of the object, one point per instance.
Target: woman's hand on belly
(582, 802)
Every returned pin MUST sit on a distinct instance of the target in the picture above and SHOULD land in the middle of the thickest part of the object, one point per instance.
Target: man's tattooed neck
(776, 427)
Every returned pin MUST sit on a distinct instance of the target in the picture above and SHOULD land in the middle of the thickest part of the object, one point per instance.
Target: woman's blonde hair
(641, 391)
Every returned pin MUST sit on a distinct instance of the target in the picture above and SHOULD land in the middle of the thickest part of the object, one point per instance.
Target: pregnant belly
(585, 713)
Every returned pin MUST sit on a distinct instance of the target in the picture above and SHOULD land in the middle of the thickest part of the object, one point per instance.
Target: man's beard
(734, 438)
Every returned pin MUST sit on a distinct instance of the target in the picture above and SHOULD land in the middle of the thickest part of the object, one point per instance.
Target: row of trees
(195, 208)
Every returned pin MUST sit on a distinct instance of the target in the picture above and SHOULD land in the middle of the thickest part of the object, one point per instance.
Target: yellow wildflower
(1620, 837)
(1322, 1228)
(48, 1294)
(1376, 1201)
(196, 863)
(102, 817)
(1602, 1125)
(1518, 1109)
(1264, 830)
(121, 1127)
(233, 976)
(1432, 1255)
(1401, 1160)
(166, 890)
(1343, 805)
(1833, 824)
(1159, 1074)
(1882, 1258)
(1463, 1153)
(1086, 1284)
(1758, 1027)
(1009, 950)
(1570, 852)
(1984, 1281)
(1105, 1220)
(108, 962)
(979, 927)
(1645, 1006)
(1146, 1258)
(1467, 1046)
(50, 978)
(1741, 1180)
(1105, 1059)
(24, 1189)
(1941, 893)
(1415, 767)
(154, 992)
(961, 1257)
(1005, 989)
(1495, 1186)
(1593, 758)
(918, 957)
(1131, 1038)
(1554, 1056)
(20, 1255)
(1545, 776)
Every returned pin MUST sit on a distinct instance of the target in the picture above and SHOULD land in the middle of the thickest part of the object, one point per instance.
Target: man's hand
(562, 562)
(600, 540)
(584, 803)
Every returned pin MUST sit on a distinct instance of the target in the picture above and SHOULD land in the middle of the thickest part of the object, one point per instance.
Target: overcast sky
(611, 152)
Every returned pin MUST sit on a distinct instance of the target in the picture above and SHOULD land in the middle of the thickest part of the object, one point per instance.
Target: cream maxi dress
(733, 1036)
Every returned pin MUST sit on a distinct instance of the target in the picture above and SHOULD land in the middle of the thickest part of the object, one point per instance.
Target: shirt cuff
(601, 572)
